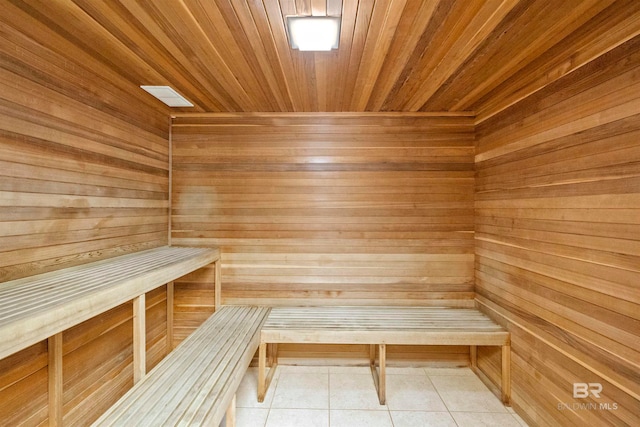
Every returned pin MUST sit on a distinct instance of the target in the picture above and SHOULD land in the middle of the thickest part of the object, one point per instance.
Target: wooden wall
(329, 208)
(83, 176)
(558, 242)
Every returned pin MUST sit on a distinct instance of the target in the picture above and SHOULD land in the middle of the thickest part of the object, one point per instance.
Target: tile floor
(332, 396)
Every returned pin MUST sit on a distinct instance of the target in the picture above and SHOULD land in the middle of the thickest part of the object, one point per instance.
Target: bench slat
(37, 307)
(210, 358)
(174, 369)
(382, 325)
(195, 383)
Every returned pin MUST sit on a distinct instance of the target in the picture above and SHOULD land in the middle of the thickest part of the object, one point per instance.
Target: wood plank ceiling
(394, 55)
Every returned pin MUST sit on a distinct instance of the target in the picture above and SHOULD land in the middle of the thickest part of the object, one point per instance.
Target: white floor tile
(358, 370)
(449, 371)
(484, 419)
(298, 418)
(466, 393)
(251, 417)
(355, 418)
(323, 396)
(349, 391)
(289, 369)
(412, 393)
(302, 391)
(399, 370)
(518, 418)
(247, 393)
(422, 419)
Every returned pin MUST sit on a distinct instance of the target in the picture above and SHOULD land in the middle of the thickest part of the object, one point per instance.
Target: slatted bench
(196, 383)
(378, 327)
(41, 307)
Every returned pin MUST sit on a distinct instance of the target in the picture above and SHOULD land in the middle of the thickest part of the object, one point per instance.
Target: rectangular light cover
(314, 33)
(167, 95)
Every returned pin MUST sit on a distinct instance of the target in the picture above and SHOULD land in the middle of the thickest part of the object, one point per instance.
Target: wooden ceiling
(394, 55)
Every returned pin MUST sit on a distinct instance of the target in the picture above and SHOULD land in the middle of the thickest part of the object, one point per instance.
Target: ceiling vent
(168, 95)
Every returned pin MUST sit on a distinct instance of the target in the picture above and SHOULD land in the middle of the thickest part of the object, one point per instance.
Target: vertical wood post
(139, 338)
(170, 296)
(262, 374)
(230, 418)
(382, 389)
(506, 374)
(473, 356)
(272, 353)
(372, 355)
(55, 380)
(379, 378)
(218, 284)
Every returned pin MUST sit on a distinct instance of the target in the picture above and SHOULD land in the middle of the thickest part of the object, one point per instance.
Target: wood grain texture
(197, 382)
(84, 158)
(557, 241)
(379, 326)
(401, 55)
(193, 302)
(35, 308)
(329, 209)
(24, 387)
(109, 348)
(84, 172)
(83, 177)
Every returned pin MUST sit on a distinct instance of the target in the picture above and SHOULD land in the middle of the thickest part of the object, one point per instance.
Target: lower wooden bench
(196, 383)
(378, 327)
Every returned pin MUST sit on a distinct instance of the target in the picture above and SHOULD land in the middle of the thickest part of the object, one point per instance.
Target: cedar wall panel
(558, 242)
(327, 208)
(83, 175)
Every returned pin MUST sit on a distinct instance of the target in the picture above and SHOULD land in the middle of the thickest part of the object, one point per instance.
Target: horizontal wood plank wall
(358, 355)
(329, 208)
(98, 357)
(193, 303)
(83, 176)
(558, 242)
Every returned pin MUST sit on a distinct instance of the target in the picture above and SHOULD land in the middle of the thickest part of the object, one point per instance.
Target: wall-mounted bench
(41, 307)
(196, 383)
(379, 327)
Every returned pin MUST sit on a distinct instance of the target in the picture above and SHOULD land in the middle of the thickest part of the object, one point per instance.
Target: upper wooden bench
(37, 307)
(196, 383)
(41, 307)
(379, 326)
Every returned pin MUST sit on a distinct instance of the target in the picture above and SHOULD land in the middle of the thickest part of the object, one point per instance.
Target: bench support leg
(217, 296)
(230, 417)
(170, 317)
(272, 354)
(139, 339)
(506, 374)
(473, 356)
(55, 380)
(264, 379)
(379, 379)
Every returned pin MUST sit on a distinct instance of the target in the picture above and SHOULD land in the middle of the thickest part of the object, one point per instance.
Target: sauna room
(420, 213)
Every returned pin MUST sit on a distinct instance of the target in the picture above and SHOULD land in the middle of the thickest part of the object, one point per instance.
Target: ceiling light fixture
(314, 33)
(168, 95)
